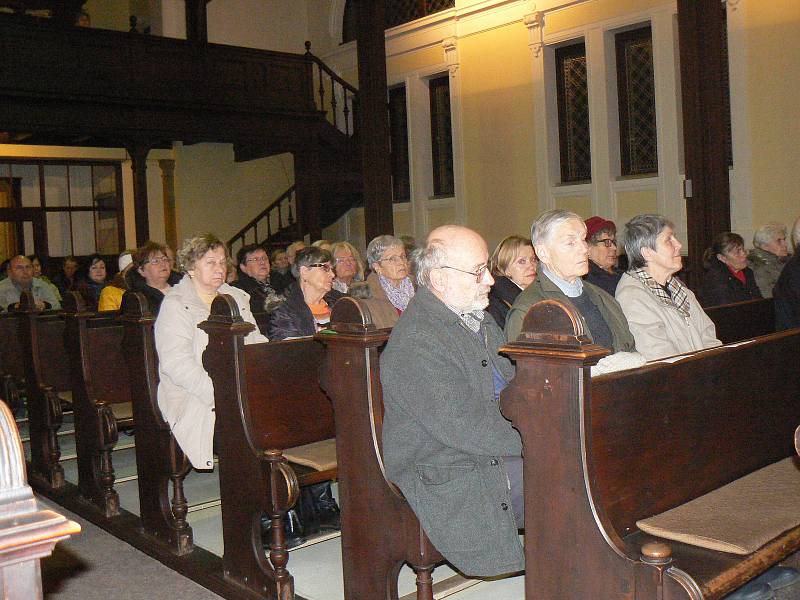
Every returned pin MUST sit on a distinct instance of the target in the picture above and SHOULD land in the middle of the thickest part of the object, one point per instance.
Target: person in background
(389, 281)
(727, 279)
(664, 316)
(111, 296)
(254, 278)
(292, 250)
(769, 254)
(20, 278)
(92, 280)
(409, 243)
(348, 265)
(151, 274)
(787, 289)
(37, 272)
(65, 280)
(323, 244)
(280, 274)
(309, 300)
(601, 235)
(513, 266)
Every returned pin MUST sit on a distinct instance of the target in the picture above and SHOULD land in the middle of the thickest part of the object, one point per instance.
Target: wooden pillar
(197, 21)
(168, 192)
(374, 118)
(307, 190)
(138, 152)
(708, 210)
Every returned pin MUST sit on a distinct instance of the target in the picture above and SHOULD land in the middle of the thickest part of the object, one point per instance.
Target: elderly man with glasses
(253, 278)
(446, 445)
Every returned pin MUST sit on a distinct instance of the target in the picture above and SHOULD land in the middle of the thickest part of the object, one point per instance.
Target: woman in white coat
(664, 316)
(185, 391)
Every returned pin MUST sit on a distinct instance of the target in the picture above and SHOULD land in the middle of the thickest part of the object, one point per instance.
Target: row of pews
(107, 365)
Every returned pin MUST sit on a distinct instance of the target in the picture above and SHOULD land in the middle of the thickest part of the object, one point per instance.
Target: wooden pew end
(656, 553)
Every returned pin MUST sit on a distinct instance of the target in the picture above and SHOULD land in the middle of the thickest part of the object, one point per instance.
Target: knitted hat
(595, 224)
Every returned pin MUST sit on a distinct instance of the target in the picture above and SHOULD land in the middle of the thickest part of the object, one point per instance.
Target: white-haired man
(445, 442)
(787, 290)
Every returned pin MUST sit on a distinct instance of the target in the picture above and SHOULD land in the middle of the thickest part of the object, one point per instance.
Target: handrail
(286, 199)
(348, 94)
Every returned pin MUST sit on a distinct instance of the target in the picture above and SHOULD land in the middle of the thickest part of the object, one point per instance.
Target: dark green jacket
(542, 289)
(444, 436)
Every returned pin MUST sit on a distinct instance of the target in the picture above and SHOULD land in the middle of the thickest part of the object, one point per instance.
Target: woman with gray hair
(185, 391)
(559, 238)
(769, 255)
(664, 315)
(389, 281)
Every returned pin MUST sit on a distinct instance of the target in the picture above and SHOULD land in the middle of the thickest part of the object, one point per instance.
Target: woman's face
(318, 278)
(735, 257)
(393, 264)
(522, 269)
(97, 272)
(666, 259)
(778, 246)
(156, 270)
(603, 251)
(346, 266)
(209, 271)
(37, 267)
(281, 261)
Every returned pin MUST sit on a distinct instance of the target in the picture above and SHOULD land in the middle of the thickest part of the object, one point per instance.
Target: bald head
(20, 271)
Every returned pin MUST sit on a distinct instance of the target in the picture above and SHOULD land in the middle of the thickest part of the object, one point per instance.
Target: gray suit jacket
(444, 436)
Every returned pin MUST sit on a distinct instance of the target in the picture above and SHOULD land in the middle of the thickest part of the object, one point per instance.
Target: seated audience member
(559, 238)
(348, 265)
(292, 250)
(513, 267)
(280, 275)
(20, 278)
(409, 243)
(770, 252)
(787, 289)
(37, 273)
(664, 315)
(64, 280)
(111, 296)
(151, 274)
(727, 279)
(389, 281)
(601, 235)
(446, 445)
(92, 280)
(323, 245)
(4, 269)
(185, 391)
(254, 278)
(307, 308)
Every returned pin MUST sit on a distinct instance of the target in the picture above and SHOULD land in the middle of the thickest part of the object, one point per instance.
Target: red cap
(595, 224)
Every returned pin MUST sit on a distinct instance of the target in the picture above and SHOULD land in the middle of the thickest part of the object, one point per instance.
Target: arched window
(397, 13)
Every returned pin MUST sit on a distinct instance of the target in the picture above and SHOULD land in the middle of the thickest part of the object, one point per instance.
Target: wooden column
(197, 21)
(168, 192)
(307, 186)
(138, 152)
(374, 118)
(708, 210)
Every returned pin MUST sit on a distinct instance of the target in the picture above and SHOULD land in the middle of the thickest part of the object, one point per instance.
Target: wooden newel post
(566, 555)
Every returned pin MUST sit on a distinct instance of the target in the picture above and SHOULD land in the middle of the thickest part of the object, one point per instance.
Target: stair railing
(278, 217)
(334, 96)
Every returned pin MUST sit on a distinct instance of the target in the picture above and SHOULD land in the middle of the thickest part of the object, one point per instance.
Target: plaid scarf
(676, 298)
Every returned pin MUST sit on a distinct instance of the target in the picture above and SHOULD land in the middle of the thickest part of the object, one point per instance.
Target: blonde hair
(360, 266)
(505, 253)
(195, 248)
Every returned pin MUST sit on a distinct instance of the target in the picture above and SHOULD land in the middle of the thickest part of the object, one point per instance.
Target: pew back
(11, 362)
(743, 320)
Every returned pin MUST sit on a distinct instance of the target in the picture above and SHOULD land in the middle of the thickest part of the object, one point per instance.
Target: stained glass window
(573, 113)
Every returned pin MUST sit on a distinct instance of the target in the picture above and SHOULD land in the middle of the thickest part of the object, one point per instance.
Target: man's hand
(40, 305)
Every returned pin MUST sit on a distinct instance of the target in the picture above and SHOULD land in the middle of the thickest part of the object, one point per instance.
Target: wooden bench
(380, 532)
(101, 397)
(603, 453)
(12, 366)
(41, 336)
(743, 320)
(268, 402)
(159, 460)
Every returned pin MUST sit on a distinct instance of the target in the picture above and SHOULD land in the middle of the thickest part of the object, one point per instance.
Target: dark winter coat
(720, 286)
(293, 318)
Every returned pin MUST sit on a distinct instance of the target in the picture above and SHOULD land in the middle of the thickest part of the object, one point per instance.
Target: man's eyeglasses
(324, 266)
(477, 274)
(257, 259)
(608, 242)
(401, 258)
(157, 260)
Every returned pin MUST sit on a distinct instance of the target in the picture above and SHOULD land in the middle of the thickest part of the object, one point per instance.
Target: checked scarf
(676, 298)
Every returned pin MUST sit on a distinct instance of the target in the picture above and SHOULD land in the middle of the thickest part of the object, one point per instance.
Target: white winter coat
(185, 391)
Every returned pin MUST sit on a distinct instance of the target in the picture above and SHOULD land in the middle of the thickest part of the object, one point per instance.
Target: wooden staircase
(331, 160)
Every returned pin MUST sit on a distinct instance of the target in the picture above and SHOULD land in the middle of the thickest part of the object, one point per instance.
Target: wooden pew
(743, 320)
(379, 530)
(159, 460)
(611, 450)
(41, 336)
(267, 401)
(12, 367)
(101, 397)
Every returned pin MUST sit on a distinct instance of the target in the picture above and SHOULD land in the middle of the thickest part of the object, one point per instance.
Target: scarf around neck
(398, 296)
(676, 298)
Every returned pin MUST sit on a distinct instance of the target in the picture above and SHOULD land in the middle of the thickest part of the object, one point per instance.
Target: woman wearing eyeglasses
(601, 235)
(348, 265)
(309, 299)
(151, 274)
(389, 281)
(513, 266)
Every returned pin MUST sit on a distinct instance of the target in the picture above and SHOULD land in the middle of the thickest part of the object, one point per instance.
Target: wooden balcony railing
(278, 217)
(334, 96)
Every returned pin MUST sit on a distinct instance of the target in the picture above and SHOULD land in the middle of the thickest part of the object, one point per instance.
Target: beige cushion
(122, 411)
(739, 517)
(320, 456)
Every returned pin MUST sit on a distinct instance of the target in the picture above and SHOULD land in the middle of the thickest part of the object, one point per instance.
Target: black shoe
(326, 508)
(308, 512)
(292, 530)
